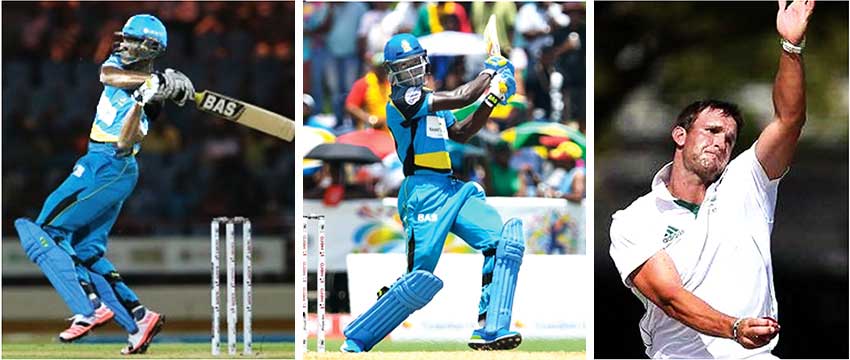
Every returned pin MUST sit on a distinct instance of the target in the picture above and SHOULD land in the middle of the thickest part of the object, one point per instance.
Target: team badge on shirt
(412, 95)
(671, 234)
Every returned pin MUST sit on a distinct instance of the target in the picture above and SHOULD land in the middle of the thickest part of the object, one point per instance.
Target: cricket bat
(245, 114)
(491, 37)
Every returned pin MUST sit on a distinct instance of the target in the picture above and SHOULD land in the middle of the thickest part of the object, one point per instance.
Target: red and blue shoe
(82, 326)
(149, 326)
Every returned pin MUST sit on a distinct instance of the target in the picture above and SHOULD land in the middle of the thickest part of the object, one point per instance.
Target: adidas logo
(671, 234)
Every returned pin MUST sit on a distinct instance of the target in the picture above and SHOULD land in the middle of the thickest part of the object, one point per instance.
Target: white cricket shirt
(721, 250)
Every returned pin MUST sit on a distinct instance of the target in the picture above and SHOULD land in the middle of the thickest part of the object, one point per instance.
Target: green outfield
(444, 350)
(530, 349)
(568, 345)
(156, 351)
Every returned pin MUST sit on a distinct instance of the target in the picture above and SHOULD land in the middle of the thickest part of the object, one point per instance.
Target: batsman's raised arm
(778, 142)
(120, 78)
(464, 95)
(496, 82)
(130, 131)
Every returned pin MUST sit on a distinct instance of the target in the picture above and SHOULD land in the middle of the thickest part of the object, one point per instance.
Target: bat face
(245, 114)
(219, 105)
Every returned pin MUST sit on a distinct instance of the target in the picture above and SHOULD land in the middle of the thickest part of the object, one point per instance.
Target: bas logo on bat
(222, 106)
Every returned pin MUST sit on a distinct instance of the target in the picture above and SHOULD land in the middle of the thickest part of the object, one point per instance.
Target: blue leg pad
(409, 293)
(508, 260)
(56, 264)
(104, 291)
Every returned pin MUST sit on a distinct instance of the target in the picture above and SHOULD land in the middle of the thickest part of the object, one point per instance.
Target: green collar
(693, 208)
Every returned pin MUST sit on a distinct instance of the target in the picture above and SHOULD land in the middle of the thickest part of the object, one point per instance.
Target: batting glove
(150, 90)
(182, 88)
(502, 87)
(496, 63)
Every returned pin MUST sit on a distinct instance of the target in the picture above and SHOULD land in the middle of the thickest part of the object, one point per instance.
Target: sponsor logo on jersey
(436, 127)
(426, 217)
(671, 234)
(78, 170)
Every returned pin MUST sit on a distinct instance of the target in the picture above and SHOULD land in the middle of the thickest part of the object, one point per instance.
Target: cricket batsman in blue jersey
(432, 202)
(68, 239)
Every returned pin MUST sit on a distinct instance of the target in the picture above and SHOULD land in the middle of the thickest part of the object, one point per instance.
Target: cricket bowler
(696, 249)
(68, 239)
(432, 202)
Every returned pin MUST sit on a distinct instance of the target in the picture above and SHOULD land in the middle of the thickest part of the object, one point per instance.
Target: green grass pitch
(49, 349)
(155, 351)
(569, 345)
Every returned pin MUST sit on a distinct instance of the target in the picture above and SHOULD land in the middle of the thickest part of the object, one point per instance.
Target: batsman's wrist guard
(491, 99)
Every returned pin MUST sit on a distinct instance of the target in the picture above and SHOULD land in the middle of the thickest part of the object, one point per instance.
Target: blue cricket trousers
(80, 213)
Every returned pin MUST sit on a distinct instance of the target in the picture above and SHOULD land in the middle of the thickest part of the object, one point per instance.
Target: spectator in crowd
(502, 179)
(316, 25)
(441, 16)
(532, 29)
(371, 33)
(332, 185)
(570, 62)
(567, 180)
(367, 100)
(344, 62)
(437, 17)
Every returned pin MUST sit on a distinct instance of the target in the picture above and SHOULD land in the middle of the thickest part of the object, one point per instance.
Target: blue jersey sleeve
(449, 116)
(114, 60)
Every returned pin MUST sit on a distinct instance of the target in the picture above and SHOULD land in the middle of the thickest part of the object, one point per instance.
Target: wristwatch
(735, 329)
(791, 48)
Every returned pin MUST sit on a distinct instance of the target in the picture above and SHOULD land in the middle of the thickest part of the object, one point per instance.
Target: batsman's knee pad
(508, 260)
(409, 293)
(103, 284)
(56, 264)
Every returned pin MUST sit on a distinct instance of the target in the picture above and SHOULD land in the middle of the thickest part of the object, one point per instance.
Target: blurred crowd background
(534, 146)
(192, 166)
(651, 60)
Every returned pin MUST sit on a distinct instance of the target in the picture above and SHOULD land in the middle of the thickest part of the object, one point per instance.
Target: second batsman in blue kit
(432, 202)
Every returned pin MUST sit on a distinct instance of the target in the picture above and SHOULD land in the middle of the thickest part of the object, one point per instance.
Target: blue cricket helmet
(406, 61)
(145, 26)
(143, 38)
(402, 46)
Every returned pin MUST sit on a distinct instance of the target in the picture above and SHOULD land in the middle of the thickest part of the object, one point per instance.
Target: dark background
(652, 59)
